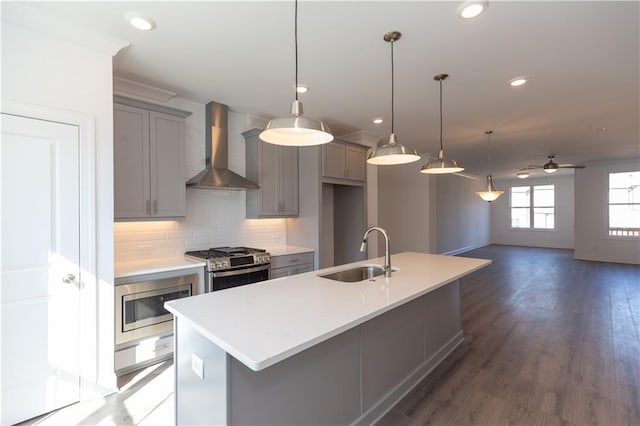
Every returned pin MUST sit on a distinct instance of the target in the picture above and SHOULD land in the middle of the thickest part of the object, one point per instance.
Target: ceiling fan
(551, 166)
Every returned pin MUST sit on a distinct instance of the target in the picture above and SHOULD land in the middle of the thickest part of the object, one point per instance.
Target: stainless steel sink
(353, 275)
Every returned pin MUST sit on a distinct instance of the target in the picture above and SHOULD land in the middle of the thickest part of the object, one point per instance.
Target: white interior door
(39, 266)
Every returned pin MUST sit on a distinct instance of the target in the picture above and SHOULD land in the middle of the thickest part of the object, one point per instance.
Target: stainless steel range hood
(217, 175)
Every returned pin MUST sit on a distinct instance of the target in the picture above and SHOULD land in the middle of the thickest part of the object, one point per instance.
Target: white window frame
(532, 208)
(634, 234)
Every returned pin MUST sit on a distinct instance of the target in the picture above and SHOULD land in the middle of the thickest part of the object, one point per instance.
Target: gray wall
(404, 208)
(560, 237)
(462, 218)
(431, 214)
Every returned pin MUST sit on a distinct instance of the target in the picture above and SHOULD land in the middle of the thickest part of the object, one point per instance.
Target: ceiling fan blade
(531, 167)
(570, 166)
(467, 175)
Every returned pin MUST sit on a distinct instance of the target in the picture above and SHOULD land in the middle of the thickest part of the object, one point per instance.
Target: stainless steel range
(232, 266)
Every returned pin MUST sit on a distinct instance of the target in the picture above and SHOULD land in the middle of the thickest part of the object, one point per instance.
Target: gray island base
(352, 377)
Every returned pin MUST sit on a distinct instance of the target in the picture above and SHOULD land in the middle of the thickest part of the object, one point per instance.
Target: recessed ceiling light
(302, 88)
(139, 21)
(472, 8)
(377, 121)
(523, 175)
(518, 81)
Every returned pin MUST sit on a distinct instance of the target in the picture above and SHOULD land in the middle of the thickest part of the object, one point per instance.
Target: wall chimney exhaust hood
(217, 175)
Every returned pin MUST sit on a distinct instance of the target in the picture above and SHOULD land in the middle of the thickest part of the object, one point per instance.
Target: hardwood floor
(548, 340)
(145, 398)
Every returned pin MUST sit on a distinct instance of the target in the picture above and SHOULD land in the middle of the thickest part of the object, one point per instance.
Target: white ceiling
(582, 57)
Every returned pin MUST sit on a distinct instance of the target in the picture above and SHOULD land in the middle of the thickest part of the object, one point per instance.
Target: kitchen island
(309, 350)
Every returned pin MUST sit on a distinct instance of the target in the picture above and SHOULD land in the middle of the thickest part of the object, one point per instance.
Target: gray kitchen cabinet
(275, 169)
(149, 169)
(291, 264)
(342, 160)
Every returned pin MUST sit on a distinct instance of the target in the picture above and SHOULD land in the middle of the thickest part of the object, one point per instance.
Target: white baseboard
(605, 259)
(544, 245)
(464, 249)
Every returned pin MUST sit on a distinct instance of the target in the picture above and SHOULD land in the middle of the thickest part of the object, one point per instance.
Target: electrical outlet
(145, 249)
(197, 365)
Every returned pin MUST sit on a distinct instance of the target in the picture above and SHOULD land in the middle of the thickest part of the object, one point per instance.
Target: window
(624, 204)
(533, 205)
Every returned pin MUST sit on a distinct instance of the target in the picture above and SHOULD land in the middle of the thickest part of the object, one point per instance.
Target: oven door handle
(240, 271)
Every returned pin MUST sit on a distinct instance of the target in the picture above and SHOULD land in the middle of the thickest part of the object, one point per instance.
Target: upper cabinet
(149, 169)
(275, 169)
(342, 160)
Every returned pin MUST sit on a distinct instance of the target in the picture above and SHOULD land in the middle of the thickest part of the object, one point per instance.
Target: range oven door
(238, 277)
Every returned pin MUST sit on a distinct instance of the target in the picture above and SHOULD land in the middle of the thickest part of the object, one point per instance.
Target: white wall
(44, 71)
(561, 237)
(462, 218)
(591, 198)
(214, 217)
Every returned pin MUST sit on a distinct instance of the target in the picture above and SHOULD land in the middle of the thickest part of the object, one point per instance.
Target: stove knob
(218, 265)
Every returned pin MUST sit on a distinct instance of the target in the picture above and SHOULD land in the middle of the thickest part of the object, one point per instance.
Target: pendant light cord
(441, 148)
(392, 91)
(488, 133)
(295, 37)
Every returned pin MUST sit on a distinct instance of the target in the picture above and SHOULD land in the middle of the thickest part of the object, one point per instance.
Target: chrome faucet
(387, 252)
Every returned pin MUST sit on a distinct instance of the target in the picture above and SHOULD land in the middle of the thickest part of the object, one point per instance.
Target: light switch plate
(197, 365)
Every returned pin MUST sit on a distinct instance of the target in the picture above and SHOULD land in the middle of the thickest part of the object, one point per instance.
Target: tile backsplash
(214, 218)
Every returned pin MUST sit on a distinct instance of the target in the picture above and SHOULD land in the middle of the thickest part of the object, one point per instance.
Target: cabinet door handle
(147, 208)
(293, 260)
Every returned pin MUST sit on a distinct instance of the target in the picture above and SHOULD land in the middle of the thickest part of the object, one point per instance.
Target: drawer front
(291, 260)
(303, 268)
(146, 350)
(282, 272)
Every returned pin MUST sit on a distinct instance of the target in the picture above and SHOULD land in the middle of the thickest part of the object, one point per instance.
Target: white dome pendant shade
(441, 165)
(392, 152)
(296, 130)
(490, 194)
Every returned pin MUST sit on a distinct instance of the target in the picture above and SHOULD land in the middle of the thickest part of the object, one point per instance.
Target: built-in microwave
(140, 308)
(143, 327)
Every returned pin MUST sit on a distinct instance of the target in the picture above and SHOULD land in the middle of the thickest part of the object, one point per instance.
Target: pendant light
(490, 194)
(441, 165)
(392, 152)
(296, 130)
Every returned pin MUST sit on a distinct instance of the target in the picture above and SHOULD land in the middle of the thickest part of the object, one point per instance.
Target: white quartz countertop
(286, 250)
(152, 266)
(267, 322)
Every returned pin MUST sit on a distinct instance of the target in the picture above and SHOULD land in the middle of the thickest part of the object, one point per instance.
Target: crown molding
(29, 17)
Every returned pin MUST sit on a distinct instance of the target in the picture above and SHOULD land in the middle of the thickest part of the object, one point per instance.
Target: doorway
(343, 224)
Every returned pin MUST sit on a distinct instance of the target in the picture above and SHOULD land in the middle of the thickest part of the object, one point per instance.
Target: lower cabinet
(291, 264)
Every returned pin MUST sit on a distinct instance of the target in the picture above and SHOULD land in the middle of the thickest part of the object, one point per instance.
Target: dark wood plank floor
(548, 340)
